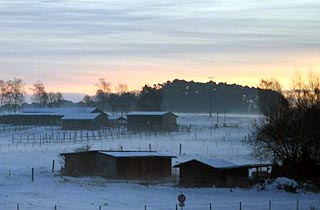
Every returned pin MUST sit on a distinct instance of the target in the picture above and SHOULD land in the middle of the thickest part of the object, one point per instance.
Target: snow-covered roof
(59, 111)
(223, 164)
(115, 117)
(150, 113)
(134, 154)
(215, 163)
(81, 116)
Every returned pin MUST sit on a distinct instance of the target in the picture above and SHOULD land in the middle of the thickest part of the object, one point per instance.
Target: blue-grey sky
(70, 44)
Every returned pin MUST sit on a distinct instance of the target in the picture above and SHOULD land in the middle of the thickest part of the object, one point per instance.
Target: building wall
(151, 122)
(80, 164)
(40, 120)
(106, 166)
(195, 174)
(169, 122)
(144, 122)
(143, 168)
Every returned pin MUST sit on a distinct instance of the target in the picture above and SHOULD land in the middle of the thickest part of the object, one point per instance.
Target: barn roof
(81, 116)
(116, 117)
(125, 154)
(221, 164)
(149, 113)
(135, 154)
(59, 111)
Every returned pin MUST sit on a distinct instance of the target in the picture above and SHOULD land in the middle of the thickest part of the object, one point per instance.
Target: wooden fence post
(18, 207)
(297, 204)
(240, 206)
(180, 149)
(55, 207)
(210, 206)
(100, 207)
(52, 169)
(269, 205)
(145, 207)
(32, 174)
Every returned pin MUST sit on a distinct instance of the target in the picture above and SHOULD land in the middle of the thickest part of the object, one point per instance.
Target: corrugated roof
(150, 113)
(134, 154)
(81, 116)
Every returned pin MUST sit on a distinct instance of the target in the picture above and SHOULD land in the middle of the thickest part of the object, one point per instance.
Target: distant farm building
(129, 165)
(81, 118)
(216, 172)
(116, 120)
(84, 121)
(151, 121)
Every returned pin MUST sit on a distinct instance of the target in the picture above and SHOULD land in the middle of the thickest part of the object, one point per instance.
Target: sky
(70, 44)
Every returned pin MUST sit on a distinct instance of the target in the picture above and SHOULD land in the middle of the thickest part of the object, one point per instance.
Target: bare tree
(40, 95)
(55, 99)
(122, 88)
(290, 137)
(87, 100)
(103, 93)
(270, 97)
(3, 92)
(15, 93)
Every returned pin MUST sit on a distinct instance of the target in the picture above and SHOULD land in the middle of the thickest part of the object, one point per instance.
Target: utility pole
(210, 97)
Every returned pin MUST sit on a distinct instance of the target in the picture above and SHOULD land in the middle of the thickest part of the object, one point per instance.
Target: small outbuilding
(84, 121)
(215, 172)
(151, 121)
(75, 117)
(128, 165)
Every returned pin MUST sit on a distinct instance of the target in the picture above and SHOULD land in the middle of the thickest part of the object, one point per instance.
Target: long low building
(151, 121)
(68, 118)
(218, 173)
(128, 165)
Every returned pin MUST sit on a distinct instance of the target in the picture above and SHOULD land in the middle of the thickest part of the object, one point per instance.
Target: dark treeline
(176, 95)
(184, 96)
(180, 96)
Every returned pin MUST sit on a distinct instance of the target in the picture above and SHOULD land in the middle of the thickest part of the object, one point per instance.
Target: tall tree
(15, 93)
(40, 95)
(291, 136)
(55, 99)
(3, 92)
(270, 97)
(150, 99)
(103, 93)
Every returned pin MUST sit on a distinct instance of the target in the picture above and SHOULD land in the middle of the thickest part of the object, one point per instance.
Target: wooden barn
(84, 121)
(151, 121)
(128, 165)
(117, 120)
(53, 116)
(215, 172)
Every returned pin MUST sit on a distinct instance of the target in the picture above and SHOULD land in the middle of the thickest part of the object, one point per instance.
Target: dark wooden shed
(84, 121)
(151, 121)
(128, 165)
(214, 172)
(52, 116)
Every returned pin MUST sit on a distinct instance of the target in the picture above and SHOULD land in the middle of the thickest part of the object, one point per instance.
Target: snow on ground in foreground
(87, 193)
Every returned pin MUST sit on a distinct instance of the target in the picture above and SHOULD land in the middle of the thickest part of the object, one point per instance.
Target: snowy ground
(50, 189)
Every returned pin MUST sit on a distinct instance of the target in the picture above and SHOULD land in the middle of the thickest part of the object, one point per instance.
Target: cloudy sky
(70, 44)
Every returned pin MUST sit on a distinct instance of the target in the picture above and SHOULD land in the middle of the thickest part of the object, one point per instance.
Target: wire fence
(221, 205)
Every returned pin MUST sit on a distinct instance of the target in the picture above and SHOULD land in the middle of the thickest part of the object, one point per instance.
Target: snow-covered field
(50, 189)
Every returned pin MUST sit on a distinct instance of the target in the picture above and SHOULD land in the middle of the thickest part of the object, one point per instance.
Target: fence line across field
(64, 136)
(268, 205)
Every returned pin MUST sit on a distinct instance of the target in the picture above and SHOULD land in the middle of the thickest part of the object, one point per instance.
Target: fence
(56, 136)
(267, 205)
